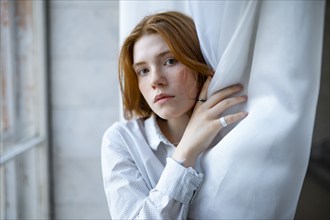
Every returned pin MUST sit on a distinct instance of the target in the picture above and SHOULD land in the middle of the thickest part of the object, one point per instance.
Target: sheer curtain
(274, 49)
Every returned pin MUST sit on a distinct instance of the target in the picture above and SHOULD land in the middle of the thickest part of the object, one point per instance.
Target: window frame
(27, 160)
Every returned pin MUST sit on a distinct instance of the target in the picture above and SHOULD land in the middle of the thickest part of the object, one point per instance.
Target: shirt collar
(153, 133)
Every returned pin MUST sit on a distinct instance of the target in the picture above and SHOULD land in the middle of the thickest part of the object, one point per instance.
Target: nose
(157, 78)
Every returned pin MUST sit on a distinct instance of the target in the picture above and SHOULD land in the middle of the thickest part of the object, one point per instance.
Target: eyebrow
(158, 56)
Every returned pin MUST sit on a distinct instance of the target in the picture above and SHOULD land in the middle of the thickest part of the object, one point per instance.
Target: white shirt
(141, 181)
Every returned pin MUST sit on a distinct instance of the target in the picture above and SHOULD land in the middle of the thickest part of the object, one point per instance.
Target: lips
(162, 97)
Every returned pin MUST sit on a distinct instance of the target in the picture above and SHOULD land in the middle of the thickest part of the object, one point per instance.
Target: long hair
(179, 32)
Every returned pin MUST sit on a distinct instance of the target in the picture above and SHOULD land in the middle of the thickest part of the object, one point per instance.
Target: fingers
(230, 119)
(220, 102)
(203, 93)
(223, 105)
(223, 94)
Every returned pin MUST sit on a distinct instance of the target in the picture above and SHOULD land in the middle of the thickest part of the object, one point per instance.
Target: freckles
(143, 91)
(190, 83)
(146, 93)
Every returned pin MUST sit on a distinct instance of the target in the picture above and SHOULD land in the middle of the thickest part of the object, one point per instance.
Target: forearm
(169, 199)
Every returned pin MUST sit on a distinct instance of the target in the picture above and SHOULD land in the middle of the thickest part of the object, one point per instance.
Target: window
(24, 142)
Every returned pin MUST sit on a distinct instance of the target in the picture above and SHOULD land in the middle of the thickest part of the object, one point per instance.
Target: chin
(165, 116)
(173, 111)
(168, 115)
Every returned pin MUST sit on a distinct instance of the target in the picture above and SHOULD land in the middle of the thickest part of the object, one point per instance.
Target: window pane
(18, 84)
(24, 145)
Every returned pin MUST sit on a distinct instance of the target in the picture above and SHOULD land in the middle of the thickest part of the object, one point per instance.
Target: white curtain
(131, 12)
(274, 49)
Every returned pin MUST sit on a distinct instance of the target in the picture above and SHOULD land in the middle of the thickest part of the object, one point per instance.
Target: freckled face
(169, 87)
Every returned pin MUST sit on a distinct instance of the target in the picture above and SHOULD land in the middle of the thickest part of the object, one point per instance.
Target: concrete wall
(84, 102)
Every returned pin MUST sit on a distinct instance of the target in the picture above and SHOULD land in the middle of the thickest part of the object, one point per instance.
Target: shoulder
(123, 135)
(121, 129)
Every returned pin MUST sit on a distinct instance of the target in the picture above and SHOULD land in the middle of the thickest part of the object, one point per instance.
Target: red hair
(179, 32)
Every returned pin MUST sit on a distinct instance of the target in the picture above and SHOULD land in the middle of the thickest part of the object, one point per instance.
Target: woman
(149, 161)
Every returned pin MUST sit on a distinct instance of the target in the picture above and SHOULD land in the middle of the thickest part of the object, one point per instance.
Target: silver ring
(201, 100)
(223, 122)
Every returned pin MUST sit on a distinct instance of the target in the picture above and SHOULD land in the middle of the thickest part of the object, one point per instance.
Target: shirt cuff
(178, 182)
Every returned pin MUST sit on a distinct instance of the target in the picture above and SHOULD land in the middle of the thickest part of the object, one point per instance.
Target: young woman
(148, 162)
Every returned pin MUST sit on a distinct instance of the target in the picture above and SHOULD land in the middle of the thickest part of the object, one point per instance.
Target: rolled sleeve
(178, 182)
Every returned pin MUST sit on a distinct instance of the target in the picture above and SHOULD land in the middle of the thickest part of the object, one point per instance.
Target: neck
(173, 129)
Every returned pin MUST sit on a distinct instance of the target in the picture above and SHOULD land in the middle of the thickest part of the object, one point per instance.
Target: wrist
(186, 159)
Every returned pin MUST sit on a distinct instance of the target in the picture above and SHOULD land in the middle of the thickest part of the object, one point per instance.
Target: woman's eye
(143, 72)
(170, 61)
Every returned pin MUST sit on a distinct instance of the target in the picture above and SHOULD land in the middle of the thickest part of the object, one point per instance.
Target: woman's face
(169, 87)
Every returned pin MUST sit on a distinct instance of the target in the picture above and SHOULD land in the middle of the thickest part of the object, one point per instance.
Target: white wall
(84, 102)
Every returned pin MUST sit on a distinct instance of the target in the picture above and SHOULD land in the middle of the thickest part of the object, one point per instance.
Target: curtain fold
(273, 48)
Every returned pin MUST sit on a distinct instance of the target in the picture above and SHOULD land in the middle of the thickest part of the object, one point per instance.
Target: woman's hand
(205, 123)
